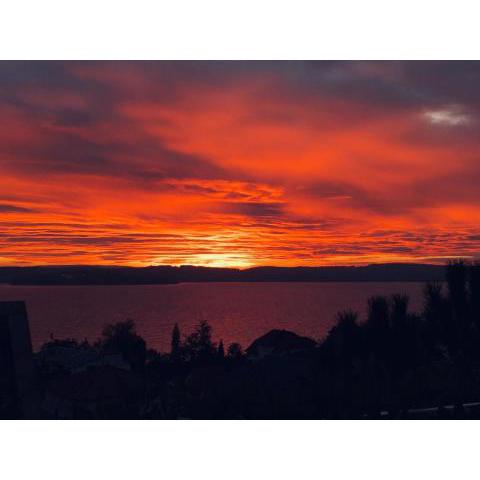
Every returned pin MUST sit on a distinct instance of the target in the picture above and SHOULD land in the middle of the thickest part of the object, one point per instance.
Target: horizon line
(240, 268)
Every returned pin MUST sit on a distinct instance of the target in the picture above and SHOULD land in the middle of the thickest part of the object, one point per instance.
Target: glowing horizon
(238, 164)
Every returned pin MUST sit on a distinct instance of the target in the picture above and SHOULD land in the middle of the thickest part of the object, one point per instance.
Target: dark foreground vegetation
(391, 364)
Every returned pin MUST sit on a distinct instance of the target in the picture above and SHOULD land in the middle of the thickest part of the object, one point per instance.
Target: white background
(208, 29)
(242, 29)
(234, 450)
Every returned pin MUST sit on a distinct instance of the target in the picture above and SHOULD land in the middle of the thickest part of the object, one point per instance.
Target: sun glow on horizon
(212, 260)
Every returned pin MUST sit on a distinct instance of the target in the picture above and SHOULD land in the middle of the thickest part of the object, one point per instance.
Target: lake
(238, 312)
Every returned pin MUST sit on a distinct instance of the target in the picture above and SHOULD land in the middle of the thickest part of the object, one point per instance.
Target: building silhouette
(18, 392)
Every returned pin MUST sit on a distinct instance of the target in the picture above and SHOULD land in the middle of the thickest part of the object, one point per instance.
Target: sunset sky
(239, 163)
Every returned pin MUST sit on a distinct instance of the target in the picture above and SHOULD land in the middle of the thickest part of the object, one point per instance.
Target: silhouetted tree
(121, 338)
(457, 288)
(198, 345)
(221, 351)
(377, 313)
(343, 338)
(399, 310)
(234, 351)
(434, 308)
(403, 349)
(474, 292)
(377, 324)
(175, 343)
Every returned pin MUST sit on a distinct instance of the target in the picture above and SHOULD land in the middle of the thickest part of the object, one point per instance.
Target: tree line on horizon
(164, 274)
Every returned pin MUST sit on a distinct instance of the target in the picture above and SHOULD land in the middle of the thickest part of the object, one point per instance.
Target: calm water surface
(237, 311)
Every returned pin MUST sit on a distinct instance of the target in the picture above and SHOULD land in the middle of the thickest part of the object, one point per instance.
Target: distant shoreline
(200, 282)
(169, 275)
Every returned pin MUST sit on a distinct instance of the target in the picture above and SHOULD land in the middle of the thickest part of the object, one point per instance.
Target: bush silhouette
(121, 338)
(176, 346)
(234, 351)
(198, 346)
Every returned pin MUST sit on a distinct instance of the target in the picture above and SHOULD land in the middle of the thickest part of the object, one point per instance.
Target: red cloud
(237, 163)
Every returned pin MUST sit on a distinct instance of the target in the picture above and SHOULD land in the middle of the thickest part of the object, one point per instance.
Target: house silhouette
(18, 392)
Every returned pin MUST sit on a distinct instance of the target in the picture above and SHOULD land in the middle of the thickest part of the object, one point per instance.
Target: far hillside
(119, 275)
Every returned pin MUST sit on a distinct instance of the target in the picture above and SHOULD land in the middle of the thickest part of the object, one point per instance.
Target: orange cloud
(237, 163)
